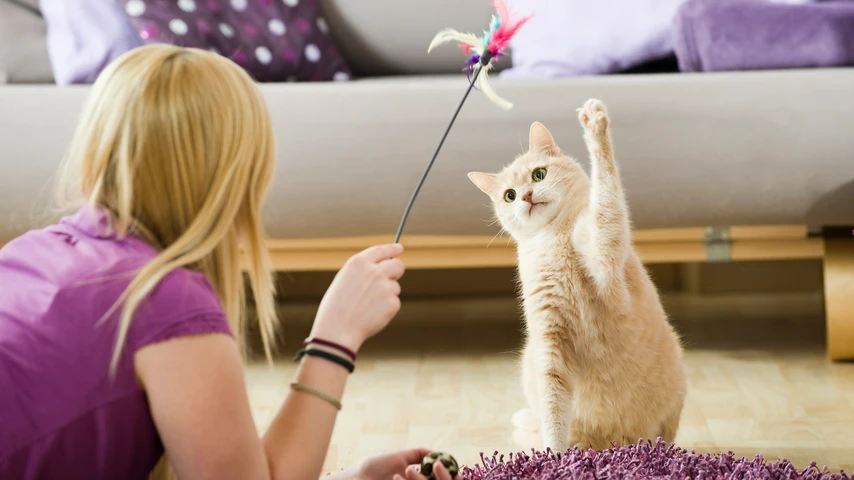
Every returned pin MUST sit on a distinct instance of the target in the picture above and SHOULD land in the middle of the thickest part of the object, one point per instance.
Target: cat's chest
(552, 270)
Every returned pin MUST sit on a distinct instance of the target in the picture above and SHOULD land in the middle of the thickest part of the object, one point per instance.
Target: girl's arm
(197, 393)
(303, 427)
(197, 396)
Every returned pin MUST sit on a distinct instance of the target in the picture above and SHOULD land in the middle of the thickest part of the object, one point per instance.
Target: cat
(601, 363)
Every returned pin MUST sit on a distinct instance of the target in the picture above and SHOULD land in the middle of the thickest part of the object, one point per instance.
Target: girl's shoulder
(72, 270)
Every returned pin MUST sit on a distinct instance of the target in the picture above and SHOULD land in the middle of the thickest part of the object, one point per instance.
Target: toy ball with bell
(447, 461)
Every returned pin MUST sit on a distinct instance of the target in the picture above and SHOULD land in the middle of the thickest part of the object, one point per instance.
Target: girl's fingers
(414, 456)
(378, 253)
(441, 472)
(413, 473)
(393, 268)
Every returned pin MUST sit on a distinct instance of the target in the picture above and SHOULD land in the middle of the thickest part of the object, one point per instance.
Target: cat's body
(601, 363)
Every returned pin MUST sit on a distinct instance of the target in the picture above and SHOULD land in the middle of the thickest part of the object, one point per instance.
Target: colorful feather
(506, 29)
(502, 27)
(502, 10)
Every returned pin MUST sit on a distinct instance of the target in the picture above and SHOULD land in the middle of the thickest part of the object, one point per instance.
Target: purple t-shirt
(61, 415)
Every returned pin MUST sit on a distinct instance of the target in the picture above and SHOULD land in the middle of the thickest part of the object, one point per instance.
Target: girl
(120, 326)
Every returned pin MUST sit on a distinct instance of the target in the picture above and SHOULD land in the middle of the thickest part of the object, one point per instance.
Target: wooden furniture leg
(839, 297)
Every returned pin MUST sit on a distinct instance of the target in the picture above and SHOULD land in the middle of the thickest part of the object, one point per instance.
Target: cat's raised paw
(526, 419)
(593, 116)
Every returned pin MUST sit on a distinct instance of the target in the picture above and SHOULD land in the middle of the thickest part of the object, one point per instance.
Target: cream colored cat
(601, 363)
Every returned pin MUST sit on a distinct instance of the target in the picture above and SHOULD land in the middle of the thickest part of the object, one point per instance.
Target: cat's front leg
(527, 418)
(605, 242)
(555, 400)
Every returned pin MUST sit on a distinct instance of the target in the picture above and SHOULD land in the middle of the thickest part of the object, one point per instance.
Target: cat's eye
(510, 195)
(539, 174)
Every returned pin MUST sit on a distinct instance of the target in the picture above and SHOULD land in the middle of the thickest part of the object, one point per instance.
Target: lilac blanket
(719, 35)
(566, 38)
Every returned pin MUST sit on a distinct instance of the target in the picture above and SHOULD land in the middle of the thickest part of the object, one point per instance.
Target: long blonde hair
(177, 146)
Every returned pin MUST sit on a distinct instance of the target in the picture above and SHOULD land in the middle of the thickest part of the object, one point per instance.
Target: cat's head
(540, 187)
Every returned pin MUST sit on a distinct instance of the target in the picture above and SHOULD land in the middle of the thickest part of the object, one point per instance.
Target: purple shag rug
(645, 460)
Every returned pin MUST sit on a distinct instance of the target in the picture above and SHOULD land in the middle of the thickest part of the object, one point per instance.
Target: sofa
(717, 166)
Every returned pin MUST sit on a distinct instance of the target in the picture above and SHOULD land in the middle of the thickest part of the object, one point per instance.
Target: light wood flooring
(758, 384)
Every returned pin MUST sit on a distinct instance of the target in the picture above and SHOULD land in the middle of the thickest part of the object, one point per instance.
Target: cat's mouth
(535, 204)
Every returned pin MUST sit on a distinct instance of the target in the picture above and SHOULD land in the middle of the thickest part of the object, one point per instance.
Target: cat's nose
(528, 197)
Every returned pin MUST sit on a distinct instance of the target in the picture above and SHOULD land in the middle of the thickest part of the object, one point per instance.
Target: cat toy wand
(481, 51)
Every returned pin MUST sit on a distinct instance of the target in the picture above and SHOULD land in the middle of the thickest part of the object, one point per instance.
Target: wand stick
(436, 154)
(480, 51)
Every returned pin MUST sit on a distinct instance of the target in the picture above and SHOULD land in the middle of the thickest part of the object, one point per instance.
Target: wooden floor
(757, 385)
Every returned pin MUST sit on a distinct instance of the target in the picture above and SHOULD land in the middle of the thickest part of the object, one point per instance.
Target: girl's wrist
(328, 354)
(322, 374)
(350, 343)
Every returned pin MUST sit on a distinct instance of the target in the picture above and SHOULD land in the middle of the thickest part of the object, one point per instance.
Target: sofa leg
(839, 297)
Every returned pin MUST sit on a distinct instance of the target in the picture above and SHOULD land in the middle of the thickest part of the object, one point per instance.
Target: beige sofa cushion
(695, 150)
(23, 48)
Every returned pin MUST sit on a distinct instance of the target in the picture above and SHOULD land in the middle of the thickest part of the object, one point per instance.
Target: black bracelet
(313, 352)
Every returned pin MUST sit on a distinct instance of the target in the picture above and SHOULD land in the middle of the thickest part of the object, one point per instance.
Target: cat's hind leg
(590, 435)
(587, 437)
(670, 426)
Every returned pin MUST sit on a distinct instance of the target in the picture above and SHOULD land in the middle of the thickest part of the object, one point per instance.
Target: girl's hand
(363, 297)
(397, 466)
(439, 470)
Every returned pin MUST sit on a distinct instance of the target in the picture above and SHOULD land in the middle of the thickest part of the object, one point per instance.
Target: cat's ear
(484, 181)
(540, 140)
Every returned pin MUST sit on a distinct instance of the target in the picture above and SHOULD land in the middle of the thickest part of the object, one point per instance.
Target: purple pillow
(274, 40)
(84, 36)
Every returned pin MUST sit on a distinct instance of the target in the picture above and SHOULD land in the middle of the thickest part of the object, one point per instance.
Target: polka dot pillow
(274, 40)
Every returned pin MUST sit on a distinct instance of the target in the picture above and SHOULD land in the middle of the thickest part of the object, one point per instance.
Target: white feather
(450, 34)
(484, 86)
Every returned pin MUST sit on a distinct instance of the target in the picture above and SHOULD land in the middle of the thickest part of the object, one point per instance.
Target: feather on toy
(502, 28)
(481, 51)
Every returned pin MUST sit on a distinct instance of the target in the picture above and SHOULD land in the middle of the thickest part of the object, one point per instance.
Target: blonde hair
(177, 146)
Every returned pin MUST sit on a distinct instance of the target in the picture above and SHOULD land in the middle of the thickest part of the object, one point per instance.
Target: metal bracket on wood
(717, 244)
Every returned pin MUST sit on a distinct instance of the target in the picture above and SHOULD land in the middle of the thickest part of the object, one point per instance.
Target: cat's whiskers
(496, 236)
(548, 191)
(509, 239)
(550, 188)
(555, 182)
